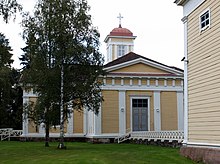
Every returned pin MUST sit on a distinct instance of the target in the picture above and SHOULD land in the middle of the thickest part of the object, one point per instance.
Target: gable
(139, 68)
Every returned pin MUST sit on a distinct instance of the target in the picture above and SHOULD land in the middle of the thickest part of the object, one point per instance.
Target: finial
(120, 17)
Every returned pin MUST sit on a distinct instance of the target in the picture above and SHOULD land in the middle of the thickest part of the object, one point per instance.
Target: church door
(140, 114)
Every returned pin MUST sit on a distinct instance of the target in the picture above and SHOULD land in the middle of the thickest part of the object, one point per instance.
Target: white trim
(209, 25)
(121, 37)
(148, 82)
(122, 43)
(70, 120)
(143, 61)
(131, 81)
(122, 81)
(203, 144)
(180, 112)
(131, 111)
(113, 81)
(25, 116)
(165, 83)
(30, 95)
(90, 123)
(41, 128)
(156, 82)
(104, 135)
(122, 112)
(104, 81)
(185, 90)
(174, 83)
(110, 53)
(157, 111)
(144, 76)
(52, 135)
(98, 122)
(114, 55)
(142, 88)
(190, 6)
(85, 121)
(139, 81)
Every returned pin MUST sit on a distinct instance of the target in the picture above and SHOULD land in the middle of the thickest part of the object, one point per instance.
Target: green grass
(35, 152)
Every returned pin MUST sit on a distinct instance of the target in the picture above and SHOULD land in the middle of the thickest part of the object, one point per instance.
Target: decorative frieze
(142, 82)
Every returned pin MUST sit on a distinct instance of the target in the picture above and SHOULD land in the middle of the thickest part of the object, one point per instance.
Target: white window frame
(120, 50)
(200, 21)
(131, 109)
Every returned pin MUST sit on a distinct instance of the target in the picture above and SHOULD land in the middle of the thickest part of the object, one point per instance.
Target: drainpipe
(185, 59)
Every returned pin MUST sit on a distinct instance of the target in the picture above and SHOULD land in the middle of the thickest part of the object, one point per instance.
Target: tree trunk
(47, 133)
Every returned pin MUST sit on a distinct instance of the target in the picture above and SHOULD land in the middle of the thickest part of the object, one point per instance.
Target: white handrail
(162, 135)
(7, 133)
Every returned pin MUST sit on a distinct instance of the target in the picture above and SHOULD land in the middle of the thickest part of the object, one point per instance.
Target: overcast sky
(157, 25)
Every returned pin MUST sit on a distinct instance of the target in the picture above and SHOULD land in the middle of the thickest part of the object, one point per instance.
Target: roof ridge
(132, 56)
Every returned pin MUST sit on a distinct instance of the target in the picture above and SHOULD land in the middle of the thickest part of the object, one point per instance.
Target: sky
(157, 25)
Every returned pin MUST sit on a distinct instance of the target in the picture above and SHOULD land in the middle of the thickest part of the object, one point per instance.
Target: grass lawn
(35, 152)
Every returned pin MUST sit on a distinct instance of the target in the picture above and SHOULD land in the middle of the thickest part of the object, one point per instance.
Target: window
(139, 102)
(121, 50)
(205, 20)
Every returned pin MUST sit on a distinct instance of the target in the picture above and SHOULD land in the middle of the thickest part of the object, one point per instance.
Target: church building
(143, 98)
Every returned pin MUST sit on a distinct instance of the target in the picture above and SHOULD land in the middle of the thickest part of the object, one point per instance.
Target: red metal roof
(132, 56)
(120, 32)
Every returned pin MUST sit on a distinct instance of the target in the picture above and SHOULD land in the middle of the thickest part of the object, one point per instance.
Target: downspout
(185, 22)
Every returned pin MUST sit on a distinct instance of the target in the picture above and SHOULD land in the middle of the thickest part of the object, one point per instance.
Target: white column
(122, 81)
(116, 52)
(184, 20)
(126, 49)
(156, 82)
(85, 121)
(157, 112)
(139, 81)
(41, 129)
(25, 114)
(148, 82)
(98, 122)
(180, 110)
(113, 81)
(70, 120)
(131, 81)
(165, 83)
(110, 53)
(174, 83)
(122, 112)
(90, 123)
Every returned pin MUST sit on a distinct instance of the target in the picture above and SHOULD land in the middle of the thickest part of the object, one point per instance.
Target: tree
(9, 8)
(62, 59)
(10, 94)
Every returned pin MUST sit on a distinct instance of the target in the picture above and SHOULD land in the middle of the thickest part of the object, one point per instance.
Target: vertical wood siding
(110, 112)
(169, 119)
(77, 122)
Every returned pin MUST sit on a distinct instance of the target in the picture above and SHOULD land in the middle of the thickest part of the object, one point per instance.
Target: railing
(159, 135)
(8, 133)
(124, 137)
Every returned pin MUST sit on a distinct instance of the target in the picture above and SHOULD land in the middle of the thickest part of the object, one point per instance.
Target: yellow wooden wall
(77, 121)
(140, 68)
(169, 118)
(110, 112)
(204, 76)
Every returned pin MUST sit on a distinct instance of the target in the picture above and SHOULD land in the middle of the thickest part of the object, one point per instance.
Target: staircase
(7, 133)
(124, 137)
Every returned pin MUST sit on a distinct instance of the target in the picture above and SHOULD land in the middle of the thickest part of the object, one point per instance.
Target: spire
(120, 18)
